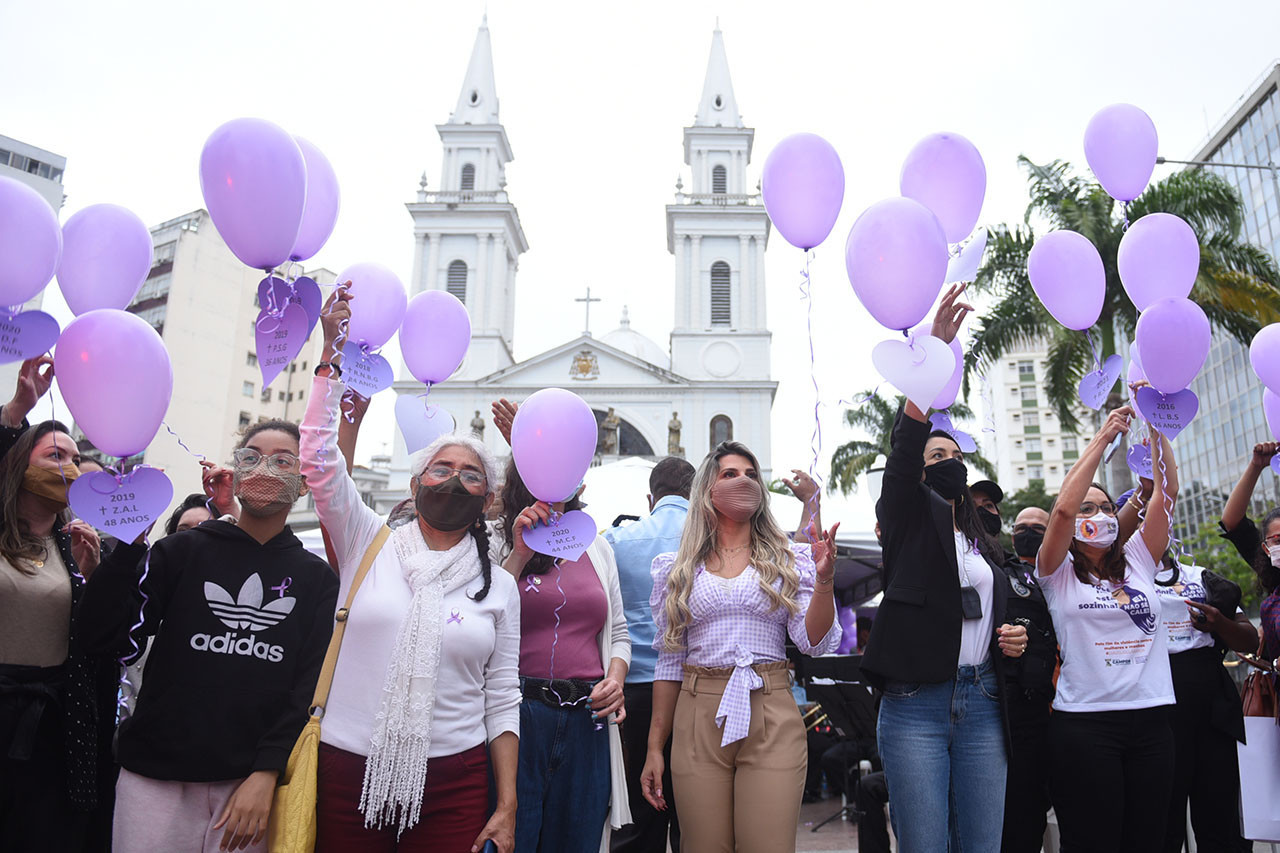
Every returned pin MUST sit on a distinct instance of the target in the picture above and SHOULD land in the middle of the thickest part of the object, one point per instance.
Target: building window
(1035, 472)
(247, 389)
(1027, 394)
(721, 430)
(154, 316)
(456, 283)
(251, 360)
(164, 253)
(1013, 392)
(1026, 371)
(280, 396)
(155, 287)
(244, 419)
(468, 177)
(1068, 442)
(1033, 445)
(1031, 419)
(721, 299)
(719, 180)
(266, 395)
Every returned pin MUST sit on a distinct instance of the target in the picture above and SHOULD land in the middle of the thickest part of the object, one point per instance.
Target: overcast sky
(594, 96)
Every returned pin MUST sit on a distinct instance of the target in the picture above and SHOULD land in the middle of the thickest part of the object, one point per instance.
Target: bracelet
(828, 582)
(336, 371)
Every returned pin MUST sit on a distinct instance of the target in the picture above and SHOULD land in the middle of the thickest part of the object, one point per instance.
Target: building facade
(1021, 433)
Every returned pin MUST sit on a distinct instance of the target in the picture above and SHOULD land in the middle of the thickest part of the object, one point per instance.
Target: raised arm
(1238, 503)
(1155, 527)
(810, 497)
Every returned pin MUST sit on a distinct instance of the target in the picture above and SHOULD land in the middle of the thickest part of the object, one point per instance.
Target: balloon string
(338, 359)
(125, 660)
(1126, 217)
(1097, 360)
(815, 438)
(555, 639)
(988, 403)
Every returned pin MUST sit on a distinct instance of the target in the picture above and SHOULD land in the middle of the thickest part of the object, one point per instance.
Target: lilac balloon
(106, 256)
(1271, 408)
(945, 173)
(1173, 335)
(1120, 144)
(1066, 272)
(30, 242)
(1134, 373)
(114, 373)
(320, 213)
(1158, 258)
(1134, 355)
(553, 440)
(377, 304)
(803, 188)
(1264, 355)
(952, 389)
(434, 336)
(254, 181)
(896, 257)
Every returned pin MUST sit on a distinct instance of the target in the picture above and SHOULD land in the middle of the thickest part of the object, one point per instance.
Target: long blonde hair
(770, 549)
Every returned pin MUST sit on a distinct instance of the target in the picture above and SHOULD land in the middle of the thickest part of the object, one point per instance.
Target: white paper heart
(919, 369)
(420, 422)
(964, 266)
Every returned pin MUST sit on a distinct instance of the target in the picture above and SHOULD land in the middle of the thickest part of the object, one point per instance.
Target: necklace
(728, 551)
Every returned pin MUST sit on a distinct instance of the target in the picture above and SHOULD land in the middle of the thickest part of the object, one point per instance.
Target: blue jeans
(944, 761)
(563, 782)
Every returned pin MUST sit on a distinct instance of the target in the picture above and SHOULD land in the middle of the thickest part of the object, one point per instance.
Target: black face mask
(947, 478)
(448, 506)
(990, 521)
(1026, 543)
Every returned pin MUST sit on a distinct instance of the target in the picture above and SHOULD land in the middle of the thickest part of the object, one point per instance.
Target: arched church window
(719, 180)
(468, 177)
(721, 306)
(721, 430)
(456, 283)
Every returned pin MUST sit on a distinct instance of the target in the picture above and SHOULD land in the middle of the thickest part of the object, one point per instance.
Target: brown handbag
(1258, 698)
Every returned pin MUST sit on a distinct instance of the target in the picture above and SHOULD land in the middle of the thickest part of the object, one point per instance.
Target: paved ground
(837, 835)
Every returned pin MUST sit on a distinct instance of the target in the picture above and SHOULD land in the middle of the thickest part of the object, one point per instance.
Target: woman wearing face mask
(1260, 549)
(239, 615)
(57, 702)
(723, 606)
(424, 695)
(1111, 718)
(939, 639)
(574, 654)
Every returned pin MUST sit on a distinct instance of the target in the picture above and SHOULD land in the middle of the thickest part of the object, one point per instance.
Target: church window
(719, 102)
(457, 281)
(721, 430)
(721, 314)
(719, 180)
(468, 177)
(475, 97)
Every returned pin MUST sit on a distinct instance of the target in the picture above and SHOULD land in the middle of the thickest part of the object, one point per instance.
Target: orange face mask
(50, 483)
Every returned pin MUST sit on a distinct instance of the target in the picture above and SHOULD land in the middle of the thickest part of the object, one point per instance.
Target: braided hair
(480, 533)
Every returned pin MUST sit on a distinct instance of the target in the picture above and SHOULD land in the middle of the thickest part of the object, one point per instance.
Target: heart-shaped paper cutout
(942, 421)
(420, 422)
(125, 508)
(1096, 385)
(964, 266)
(29, 334)
(1139, 460)
(279, 340)
(919, 369)
(274, 293)
(1168, 413)
(367, 373)
(567, 538)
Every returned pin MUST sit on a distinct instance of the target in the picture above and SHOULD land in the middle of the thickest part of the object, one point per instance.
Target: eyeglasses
(440, 473)
(1028, 528)
(247, 459)
(1089, 508)
(1272, 540)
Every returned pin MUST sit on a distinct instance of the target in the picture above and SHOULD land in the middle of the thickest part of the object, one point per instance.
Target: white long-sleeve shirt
(478, 690)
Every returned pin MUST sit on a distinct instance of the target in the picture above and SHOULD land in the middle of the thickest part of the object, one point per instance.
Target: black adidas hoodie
(240, 631)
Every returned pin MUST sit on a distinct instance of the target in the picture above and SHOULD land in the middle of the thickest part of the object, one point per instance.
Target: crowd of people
(637, 698)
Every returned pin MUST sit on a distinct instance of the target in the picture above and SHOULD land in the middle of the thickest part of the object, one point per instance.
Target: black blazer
(916, 633)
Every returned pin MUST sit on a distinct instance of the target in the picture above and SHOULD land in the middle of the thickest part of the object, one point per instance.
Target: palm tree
(1238, 286)
(876, 417)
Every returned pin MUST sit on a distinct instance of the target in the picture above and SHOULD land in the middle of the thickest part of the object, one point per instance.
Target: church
(713, 381)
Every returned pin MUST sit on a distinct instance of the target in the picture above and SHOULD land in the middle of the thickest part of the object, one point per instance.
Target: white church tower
(467, 235)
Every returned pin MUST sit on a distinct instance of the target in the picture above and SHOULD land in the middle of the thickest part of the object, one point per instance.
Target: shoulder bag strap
(340, 624)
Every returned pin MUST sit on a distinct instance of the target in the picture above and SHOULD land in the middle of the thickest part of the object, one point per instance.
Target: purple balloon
(30, 242)
(952, 389)
(1066, 273)
(945, 173)
(803, 188)
(896, 257)
(1173, 335)
(1120, 144)
(553, 440)
(254, 181)
(106, 256)
(377, 304)
(1264, 355)
(114, 374)
(849, 630)
(434, 336)
(1271, 408)
(320, 213)
(1158, 258)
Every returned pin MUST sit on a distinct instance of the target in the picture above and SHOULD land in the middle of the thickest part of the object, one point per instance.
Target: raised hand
(33, 383)
(504, 414)
(802, 486)
(950, 314)
(1263, 452)
(1116, 423)
(824, 551)
(334, 318)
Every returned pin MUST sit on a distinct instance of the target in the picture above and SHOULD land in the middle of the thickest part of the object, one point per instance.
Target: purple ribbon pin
(455, 616)
(283, 586)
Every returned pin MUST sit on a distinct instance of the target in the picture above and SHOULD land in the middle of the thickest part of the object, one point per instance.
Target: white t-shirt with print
(975, 634)
(1113, 646)
(1183, 636)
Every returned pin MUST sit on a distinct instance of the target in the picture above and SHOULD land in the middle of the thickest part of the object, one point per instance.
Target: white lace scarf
(395, 772)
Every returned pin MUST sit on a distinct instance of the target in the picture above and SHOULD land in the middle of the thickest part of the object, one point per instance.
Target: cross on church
(588, 300)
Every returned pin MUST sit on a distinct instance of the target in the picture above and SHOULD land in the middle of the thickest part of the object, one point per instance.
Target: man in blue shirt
(634, 548)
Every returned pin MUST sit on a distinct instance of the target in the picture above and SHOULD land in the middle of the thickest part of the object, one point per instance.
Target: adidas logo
(244, 612)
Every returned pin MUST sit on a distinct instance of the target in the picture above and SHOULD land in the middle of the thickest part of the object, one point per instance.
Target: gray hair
(419, 461)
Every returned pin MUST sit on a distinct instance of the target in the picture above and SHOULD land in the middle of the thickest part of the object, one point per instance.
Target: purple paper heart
(274, 293)
(124, 508)
(942, 421)
(1139, 460)
(1096, 385)
(367, 373)
(1168, 413)
(29, 334)
(279, 340)
(1275, 463)
(567, 537)
(420, 422)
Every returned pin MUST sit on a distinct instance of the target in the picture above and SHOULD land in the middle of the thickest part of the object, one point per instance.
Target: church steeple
(478, 99)
(718, 107)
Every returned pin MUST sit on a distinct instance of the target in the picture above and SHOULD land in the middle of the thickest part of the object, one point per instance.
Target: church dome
(631, 342)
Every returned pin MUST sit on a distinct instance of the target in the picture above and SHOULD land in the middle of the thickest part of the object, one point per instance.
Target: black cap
(989, 489)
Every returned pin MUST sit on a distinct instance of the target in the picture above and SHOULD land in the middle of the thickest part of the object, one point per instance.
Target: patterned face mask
(1099, 529)
(265, 490)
